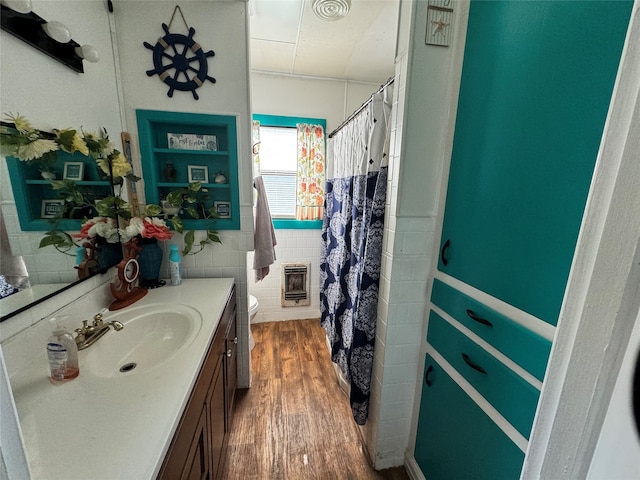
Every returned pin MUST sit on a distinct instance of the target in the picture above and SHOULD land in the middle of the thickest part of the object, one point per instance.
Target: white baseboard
(412, 468)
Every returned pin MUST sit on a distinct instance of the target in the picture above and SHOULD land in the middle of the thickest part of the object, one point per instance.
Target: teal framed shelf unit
(154, 129)
(30, 190)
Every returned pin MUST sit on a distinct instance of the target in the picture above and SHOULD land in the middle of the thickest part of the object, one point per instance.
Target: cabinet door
(230, 370)
(197, 462)
(216, 424)
(536, 83)
(456, 439)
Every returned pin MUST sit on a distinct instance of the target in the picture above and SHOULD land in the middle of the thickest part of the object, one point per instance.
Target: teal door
(537, 79)
(456, 439)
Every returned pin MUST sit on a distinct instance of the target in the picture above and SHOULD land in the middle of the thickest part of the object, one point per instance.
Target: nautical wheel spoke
(166, 55)
(193, 69)
(166, 67)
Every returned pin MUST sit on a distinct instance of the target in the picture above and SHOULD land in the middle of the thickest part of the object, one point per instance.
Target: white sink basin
(152, 334)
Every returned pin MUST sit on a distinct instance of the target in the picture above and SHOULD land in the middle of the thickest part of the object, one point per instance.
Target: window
(289, 155)
(279, 169)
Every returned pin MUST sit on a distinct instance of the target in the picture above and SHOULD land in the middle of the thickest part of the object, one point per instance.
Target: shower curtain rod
(362, 107)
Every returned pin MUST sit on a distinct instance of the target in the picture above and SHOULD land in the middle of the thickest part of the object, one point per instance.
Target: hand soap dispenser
(62, 352)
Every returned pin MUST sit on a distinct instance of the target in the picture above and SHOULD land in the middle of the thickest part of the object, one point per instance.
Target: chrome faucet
(90, 334)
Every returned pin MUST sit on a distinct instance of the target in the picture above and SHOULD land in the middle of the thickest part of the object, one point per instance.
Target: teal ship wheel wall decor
(178, 52)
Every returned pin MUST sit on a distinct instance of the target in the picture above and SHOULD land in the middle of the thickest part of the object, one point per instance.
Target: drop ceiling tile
(272, 56)
(275, 20)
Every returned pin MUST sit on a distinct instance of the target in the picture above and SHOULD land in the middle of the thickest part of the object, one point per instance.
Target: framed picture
(190, 141)
(198, 174)
(51, 208)
(223, 209)
(73, 171)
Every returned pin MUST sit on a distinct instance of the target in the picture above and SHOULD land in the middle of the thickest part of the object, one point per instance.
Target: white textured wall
(297, 96)
(220, 26)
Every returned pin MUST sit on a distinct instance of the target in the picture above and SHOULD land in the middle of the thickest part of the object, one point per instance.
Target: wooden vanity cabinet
(221, 395)
(197, 448)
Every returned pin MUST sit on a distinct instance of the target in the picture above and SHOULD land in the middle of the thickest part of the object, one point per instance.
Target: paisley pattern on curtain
(311, 159)
(351, 251)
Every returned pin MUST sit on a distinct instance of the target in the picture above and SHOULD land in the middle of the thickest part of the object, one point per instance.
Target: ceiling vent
(331, 9)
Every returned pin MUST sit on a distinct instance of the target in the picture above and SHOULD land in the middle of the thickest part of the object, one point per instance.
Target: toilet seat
(253, 304)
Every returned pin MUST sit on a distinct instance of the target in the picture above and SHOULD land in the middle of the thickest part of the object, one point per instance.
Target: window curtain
(351, 251)
(255, 144)
(310, 186)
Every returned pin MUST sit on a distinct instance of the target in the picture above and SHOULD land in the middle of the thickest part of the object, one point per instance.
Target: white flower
(22, 124)
(108, 149)
(35, 149)
(106, 229)
(135, 227)
(158, 222)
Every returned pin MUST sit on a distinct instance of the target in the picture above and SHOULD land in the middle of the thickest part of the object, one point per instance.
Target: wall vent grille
(295, 284)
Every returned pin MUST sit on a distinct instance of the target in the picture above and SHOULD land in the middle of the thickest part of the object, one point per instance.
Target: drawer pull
(445, 247)
(235, 340)
(429, 371)
(478, 319)
(229, 353)
(472, 364)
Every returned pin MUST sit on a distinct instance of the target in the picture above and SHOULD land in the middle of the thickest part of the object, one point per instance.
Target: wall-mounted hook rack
(28, 28)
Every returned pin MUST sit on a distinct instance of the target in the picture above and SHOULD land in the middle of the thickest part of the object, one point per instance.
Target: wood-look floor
(295, 422)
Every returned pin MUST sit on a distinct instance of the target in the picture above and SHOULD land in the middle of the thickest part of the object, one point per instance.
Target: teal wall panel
(510, 394)
(536, 83)
(456, 440)
(524, 347)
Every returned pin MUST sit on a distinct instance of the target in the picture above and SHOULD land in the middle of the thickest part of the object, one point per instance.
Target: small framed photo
(223, 209)
(198, 174)
(73, 171)
(51, 208)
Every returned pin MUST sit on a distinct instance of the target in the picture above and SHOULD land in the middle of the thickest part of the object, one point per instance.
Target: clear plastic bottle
(174, 265)
(62, 352)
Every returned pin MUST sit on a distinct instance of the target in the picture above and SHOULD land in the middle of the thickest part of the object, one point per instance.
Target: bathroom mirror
(42, 272)
(50, 95)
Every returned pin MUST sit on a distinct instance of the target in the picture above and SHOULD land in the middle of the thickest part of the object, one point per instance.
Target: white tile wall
(403, 298)
(293, 246)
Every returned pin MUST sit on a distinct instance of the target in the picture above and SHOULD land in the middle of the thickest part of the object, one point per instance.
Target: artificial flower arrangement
(31, 145)
(146, 227)
(99, 227)
(39, 148)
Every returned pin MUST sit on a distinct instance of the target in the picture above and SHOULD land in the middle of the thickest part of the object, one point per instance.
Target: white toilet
(253, 309)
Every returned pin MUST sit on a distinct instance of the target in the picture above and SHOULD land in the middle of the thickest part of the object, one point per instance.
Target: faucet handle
(79, 335)
(97, 319)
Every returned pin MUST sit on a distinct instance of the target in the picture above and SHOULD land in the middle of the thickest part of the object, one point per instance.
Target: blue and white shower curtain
(351, 251)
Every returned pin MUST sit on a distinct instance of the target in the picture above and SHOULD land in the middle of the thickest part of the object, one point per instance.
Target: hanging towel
(264, 237)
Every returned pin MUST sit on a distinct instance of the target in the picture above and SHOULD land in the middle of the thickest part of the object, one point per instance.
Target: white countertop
(27, 296)
(119, 428)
